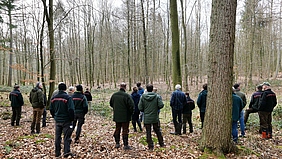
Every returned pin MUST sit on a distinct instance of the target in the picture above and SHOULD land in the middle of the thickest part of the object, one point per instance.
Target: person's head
(237, 86)
(265, 85)
(149, 87)
(79, 88)
(16, 87)
(38, 84)
(62, 86)
(135, 89)
(259, 87)
(87, 89)
(138, 84)
(178, 86)
(123, 85)
(187, 94)
(205, 86)
(71, 89)
(155, 89)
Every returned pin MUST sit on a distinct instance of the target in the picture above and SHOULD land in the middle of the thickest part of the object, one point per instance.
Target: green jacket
(36, 98)
(242, 96)
(123, 106)
(150, 103)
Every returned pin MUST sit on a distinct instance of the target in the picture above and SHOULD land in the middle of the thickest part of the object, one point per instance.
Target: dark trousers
(16, 116)
(187, 118)
(65, 128)
(247, 113)
(44, 115)
(78, 118)
(176, 116)
(202, 116)
(158, 132)
(265, 120)
(125, 131)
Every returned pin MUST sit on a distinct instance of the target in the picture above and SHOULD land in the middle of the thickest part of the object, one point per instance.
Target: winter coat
(136, 97)
(16, 98)
(62, 107)
(177, 100)
(189, 106)
(140, 90)
(150, 103)
(36, 98)
(255, 100)
(123, 106)
(88, 95)
(237, 107)
(267, 101)
(80, 103)
(242, 96)
(202, 101)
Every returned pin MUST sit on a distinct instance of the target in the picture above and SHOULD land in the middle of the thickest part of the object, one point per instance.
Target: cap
(178, 86)
(16, 86)
(266, 83)
(236, 85)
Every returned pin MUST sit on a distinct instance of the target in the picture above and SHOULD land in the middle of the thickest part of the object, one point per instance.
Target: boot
(179, 128)
(139, 124)
(134, 126)
(125, 142)
(264, 135)
(175, 129)
(17, 122)
(269, 135)
(117, 139)
(32, 128)
(37, 128)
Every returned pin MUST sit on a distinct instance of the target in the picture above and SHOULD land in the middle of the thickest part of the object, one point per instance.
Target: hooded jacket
(237, 107)
(150, 103)
(16, 98)
(36, 98)
(202, 101)
(136, 98)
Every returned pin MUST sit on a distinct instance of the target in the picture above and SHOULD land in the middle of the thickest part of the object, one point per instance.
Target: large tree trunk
(217, 126)
(176, 70)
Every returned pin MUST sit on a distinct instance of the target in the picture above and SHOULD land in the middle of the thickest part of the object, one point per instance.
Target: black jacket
(16, 98)
(88, 95)
(267, 101)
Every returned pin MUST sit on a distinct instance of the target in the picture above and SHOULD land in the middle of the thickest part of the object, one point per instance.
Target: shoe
(69, 154)
(57, 155)
(127, 147)
(151, 148)
(76, 141)
(243, 136)
(32, 132)
(117, 146)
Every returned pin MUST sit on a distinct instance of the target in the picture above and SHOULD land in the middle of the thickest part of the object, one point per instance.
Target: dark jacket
(177, 100)
(255, 100)
(80, 103)
(189, 106)
(62, 107)
(237, 107)
(36, 98)
(140, 90)
(150, 103)
(123, 106)
(267, 101)
(202, 100)
(242, 96)
(88, 95)
(136, 97)
(16, 98)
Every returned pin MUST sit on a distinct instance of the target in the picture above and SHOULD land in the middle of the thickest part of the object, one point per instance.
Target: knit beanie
(62, 87)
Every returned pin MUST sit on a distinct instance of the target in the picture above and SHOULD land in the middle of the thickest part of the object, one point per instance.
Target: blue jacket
(177, 100)
(202, 100)
(62, 107)
(80, 103)
(136, 97)
(237, 107)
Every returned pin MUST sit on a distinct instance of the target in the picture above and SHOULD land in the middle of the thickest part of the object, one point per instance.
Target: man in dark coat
(17, 102)
(202, 103)
(187, 113)
(267, 102)
(135, 117)
(80, 109)
(62, 110)
(237, 107)
(123, 107)
(88, 96)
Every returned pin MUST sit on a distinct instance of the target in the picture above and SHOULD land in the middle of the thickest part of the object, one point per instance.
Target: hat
(16, 86)
(62, 86)
(236, 85)
(266, 83)
(178, 86)
(79, 87)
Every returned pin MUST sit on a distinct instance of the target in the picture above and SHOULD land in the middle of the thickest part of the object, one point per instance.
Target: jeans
(17, 111)
(234, 131)
(80, 119)
(242, 124)
(66, 128)
(158, 132)
(176, 116)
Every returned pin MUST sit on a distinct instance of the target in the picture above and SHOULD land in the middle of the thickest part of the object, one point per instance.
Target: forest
(102, 43)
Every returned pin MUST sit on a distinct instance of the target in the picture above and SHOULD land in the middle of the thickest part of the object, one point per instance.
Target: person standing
(123, 107)
(267, 102)
(80, 109)
(187, 113)
(177, 101)
(71, 91)
(62, 110)
(202, 103)
(135, 117)
(243, 97)
(253, 106)
(150, 103)
(17, 102)
(237, 106)
(88, 96)
(140, 91)
(36, 98)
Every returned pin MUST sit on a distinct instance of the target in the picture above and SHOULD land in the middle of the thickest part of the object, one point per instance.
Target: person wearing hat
(202, 103)
(17, 102)
(80, 109)
(177, 101)
(253, 106)
(36, 98)
(123, 107)
(62, 110)
(267, 102)
(243, 97)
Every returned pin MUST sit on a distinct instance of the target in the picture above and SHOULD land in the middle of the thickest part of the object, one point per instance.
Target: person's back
(17, 102)
(237, 106)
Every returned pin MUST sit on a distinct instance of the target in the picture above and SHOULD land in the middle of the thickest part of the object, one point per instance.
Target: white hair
(178, 86)
(71, 88)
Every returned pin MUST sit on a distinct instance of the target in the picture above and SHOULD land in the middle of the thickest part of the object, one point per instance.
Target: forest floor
(97, 137)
